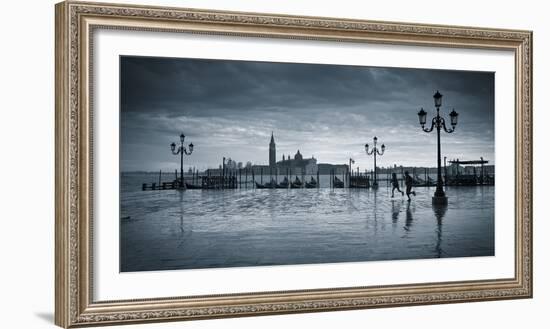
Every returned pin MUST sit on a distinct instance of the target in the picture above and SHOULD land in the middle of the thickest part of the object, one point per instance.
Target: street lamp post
(439, 123)
(351, 161)
(181, 150)
(375, 151)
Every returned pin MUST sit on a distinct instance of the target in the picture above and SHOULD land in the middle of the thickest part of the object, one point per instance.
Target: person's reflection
(395, 210)
(408, 217)
(439, 212)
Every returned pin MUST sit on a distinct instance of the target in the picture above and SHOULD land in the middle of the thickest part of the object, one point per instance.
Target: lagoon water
(172, 229)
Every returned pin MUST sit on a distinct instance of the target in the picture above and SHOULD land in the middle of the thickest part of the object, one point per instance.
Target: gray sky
(229, 108)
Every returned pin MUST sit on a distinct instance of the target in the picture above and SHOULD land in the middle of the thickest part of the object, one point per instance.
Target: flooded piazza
(191, 229)
(233, 163)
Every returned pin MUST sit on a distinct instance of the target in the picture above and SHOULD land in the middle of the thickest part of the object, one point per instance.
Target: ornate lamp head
(454, 117)
(422, 117)
(437, 99)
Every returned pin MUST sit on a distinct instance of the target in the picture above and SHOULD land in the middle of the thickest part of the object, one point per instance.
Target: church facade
(295, 166)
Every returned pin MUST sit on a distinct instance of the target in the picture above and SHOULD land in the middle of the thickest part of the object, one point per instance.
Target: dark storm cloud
(229, 108)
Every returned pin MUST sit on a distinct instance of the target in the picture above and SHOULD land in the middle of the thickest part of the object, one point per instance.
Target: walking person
(395, 185)
(409, 184)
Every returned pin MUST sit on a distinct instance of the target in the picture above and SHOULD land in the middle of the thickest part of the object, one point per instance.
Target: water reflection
(181, 211)
(207, 228)
(375, 209)
(439, 212)
(408, 217)
(182, 229)
(395, 210)
(185, 226)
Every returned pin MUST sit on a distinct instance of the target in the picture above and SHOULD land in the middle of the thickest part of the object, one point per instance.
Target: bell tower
(272, 152)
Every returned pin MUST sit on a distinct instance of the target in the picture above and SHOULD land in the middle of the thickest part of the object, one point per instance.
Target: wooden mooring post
(426, 176)
(318, 181)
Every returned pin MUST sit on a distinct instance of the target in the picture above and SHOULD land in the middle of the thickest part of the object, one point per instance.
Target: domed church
(297, 166)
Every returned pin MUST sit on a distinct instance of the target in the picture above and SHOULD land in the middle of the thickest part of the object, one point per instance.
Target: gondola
(283, 184)
(337, 183)
(417, 181)
(271, 184)
(312, 183)
(296, 183)
(192, 187)
(463, 180)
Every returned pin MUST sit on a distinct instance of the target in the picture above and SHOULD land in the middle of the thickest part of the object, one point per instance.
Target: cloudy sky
(230, 108)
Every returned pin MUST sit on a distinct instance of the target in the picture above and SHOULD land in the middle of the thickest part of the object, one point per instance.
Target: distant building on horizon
(336, 169)
(296, 165)
(272, 152)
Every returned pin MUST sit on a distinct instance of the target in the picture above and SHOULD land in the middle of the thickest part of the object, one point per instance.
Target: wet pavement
(163, 230)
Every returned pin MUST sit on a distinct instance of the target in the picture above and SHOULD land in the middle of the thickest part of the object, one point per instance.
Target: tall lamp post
(181, 150)
(351, 161)
(375, 151)
(439, 123)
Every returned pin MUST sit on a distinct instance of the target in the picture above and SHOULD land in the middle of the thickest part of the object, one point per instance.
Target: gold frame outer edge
(75, 23)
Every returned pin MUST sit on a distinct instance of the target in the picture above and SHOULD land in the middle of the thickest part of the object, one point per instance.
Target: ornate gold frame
(76, 21)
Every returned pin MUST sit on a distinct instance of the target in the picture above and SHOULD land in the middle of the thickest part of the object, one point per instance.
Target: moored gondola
(463, 180)
(312, 183)
(296, 183)
(417, 181)
(337, 183)
(271, 184)
(192, 187)
(283, 184)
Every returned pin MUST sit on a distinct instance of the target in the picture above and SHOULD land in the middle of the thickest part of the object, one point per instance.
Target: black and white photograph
(228, 163)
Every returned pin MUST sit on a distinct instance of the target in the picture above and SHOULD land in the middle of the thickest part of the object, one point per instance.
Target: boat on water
(470, 180)
(271, 184)
(336, 183)
(284, 184)
(192, 187)
(297, 183)
(417, 181)
(312, 183)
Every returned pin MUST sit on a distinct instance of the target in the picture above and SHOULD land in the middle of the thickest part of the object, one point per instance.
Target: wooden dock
(162, 186)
